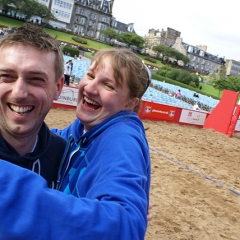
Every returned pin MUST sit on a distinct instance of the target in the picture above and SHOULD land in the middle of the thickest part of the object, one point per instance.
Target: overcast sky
(207, 22)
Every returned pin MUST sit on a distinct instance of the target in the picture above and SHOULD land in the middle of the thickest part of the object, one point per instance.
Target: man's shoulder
(56, 139)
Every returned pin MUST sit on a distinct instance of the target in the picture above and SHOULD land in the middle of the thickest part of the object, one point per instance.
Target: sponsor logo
(148, 109)
(171, 113)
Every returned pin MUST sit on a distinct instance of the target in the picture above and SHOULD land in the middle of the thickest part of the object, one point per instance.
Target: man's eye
(6, 77)
(37, 79)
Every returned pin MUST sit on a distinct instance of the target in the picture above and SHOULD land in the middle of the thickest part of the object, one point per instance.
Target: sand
(193, 170)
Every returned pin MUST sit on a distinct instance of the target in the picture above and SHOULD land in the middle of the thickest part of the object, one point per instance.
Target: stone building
(201, 60)
(90, 17)
(179, 46)
(62, 10)
(86, 17)
(156, 37)
(232, 68)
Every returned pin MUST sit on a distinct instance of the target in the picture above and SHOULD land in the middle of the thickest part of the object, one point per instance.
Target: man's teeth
(90, 101)
(20, 109)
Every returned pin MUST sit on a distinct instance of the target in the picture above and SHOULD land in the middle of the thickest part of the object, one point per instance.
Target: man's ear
(132, 103)
(59, 87)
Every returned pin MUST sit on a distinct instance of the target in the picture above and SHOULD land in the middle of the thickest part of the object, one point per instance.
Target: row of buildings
(200, 59)
(89, 17)
(85, 17)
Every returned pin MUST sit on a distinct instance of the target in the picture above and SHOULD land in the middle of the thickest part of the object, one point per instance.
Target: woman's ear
(132, 103)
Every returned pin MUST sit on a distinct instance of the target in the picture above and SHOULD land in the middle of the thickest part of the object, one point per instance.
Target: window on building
(82, 20)
(130, 29)
(104, 19)
(190, 49)
(101, 26)
(201, 53)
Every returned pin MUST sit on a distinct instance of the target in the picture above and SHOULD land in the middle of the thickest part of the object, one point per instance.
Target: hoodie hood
(8, 153)
(87, 137)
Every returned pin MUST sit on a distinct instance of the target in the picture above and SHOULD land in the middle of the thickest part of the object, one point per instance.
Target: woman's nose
(91, 87)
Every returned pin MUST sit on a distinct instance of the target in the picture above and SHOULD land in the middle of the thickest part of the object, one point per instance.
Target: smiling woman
(116, 76)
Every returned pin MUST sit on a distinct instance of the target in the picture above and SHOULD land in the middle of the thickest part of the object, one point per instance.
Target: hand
(149, 215)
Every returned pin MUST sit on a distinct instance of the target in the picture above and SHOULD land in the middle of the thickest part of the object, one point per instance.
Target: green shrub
(184, 77)
(150, 59)
(79, 40)
(173, 74)
(71, 50)
(192, 84)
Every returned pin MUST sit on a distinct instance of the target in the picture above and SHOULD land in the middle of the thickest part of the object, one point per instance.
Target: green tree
(180, 57)
(195, 79)
(221, 84)
(184, 77)
(163, 51)
(44, 12)
(137, 40)
(131, 39)
(27, 7)
(163, 70)
(9, 5)
(168, 52)
(173, 74)
(109, 33)
(234, 83)
(34, 8)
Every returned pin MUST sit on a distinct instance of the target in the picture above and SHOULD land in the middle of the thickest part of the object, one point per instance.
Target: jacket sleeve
(64, 133)
(30, 210)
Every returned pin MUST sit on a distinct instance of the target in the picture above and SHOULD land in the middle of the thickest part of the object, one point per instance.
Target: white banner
(68, 96)
(237, 127)
(192, 117)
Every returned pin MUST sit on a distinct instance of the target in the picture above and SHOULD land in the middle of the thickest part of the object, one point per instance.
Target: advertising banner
(158, 111)
(68, 96)
(192, 117)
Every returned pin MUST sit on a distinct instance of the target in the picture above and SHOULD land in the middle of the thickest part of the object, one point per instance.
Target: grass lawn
(208, 89)
(9, 22)
(66, 37)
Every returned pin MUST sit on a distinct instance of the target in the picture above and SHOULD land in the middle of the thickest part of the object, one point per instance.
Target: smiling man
(31, 77)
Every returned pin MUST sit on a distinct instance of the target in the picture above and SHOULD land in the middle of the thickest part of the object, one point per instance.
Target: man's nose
(20, 88)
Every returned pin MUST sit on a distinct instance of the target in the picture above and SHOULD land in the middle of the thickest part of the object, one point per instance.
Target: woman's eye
(108, 86)
(90, 75)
